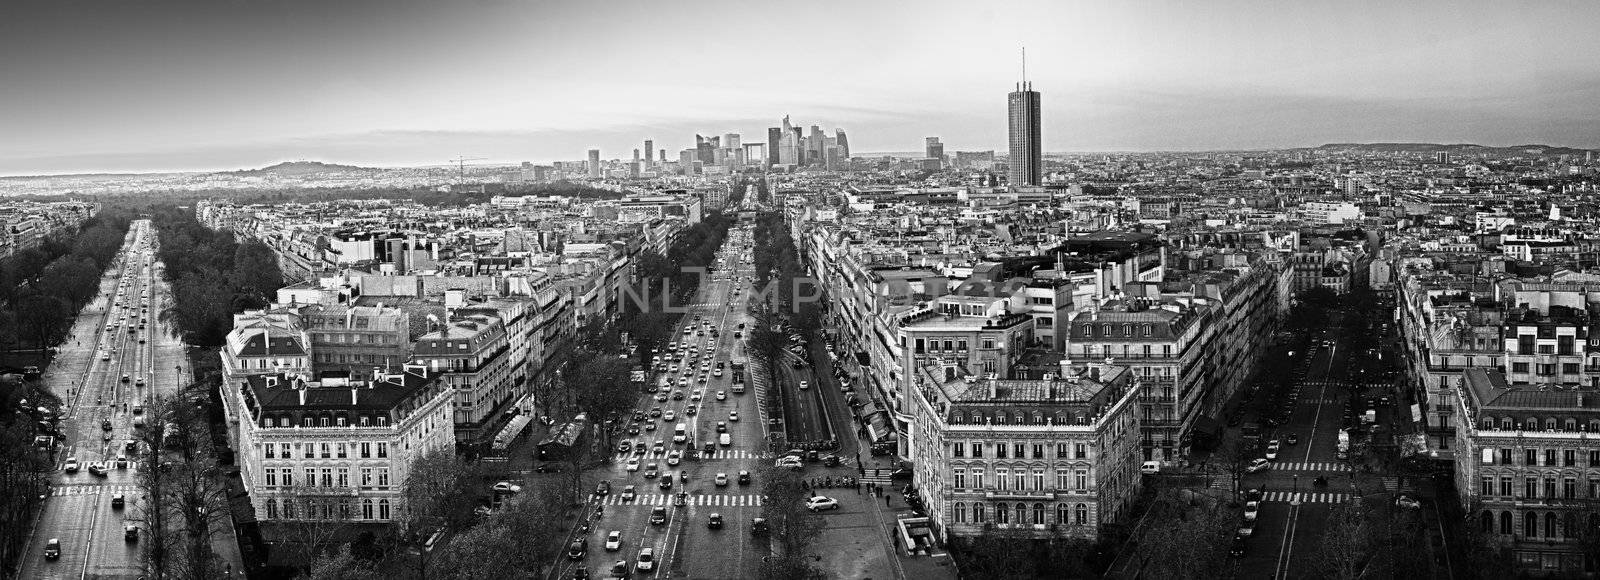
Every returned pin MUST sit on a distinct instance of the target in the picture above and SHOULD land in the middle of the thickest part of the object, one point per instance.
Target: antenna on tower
(1024, 67)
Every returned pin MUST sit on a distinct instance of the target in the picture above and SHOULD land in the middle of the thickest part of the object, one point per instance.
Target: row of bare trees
(185, 494)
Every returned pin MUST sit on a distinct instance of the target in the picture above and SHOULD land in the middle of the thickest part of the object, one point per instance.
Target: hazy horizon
(179, 86)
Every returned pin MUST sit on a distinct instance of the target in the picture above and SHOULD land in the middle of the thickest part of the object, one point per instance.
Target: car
(661, 397)
(658, 516)
(1238, 548)
(71, 466)
(52, 549)
(1292, 439)
(1247, 528)
(97, 468)
(666, 482)
(804, 385)
(1272, 453)
(651, 471)
(105, 425)
(744, 477)
(831, 460)
(674, 457)
(577, 550)
(122, 462)
(691, 411)
(625, 446)
(603, 488)
(649, 426)
(118, 501)
(759, 527)
(614, 541)
(669, 416)
(647, 560)
(1251, 510)
(580, 573)
(733, 416)
(1258, 465)
(1407, 502)
(820, 503)
(722, 426)
(658, 447)
(683, 475)
(620, 569)
(507, 487)
(714, 522)
(655, 412)
(678, 395)
(721, 479)
(1341, 455)
(628, 494)
(633, 464)
(790, 462)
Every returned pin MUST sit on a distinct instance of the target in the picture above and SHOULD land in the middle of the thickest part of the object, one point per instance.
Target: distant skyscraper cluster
(790, 145)
(1023, 113)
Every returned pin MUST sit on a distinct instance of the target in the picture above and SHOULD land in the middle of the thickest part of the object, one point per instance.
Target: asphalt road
(87, 373)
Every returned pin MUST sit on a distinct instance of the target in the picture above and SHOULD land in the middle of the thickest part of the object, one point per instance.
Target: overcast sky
(219, 84)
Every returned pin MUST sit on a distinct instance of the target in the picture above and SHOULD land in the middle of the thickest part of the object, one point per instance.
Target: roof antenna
(1024, 67)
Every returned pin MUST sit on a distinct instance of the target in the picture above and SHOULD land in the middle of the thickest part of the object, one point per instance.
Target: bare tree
(185, 494)
(439, 490)
(1191, 539)
(1346, 546)
(792, 525)
(24, 481)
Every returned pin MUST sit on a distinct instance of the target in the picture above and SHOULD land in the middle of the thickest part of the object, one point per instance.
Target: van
(725, 440)
(1150, 467)
(52, 549)
(680, 434)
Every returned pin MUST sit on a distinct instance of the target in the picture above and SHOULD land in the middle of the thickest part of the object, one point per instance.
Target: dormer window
(364, 421)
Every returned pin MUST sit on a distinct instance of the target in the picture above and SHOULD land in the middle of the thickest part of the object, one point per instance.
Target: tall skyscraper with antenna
(1023, 114)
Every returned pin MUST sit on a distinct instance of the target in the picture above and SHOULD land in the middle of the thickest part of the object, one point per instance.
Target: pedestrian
(886, 499)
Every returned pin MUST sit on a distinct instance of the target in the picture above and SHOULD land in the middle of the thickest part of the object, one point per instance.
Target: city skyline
(185, 86)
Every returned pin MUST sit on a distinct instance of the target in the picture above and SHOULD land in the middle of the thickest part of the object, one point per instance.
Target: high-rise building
(844, 144)
(706, 149)
(934, 150)
(649, 147)
(663, 156)
(686, 159)
(731, 140)
(1442, 156)
(1023, 114)
(774, 137)
(635, 156)
(815, 146)
(594, 164)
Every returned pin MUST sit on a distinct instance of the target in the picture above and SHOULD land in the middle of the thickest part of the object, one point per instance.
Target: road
(116, 335)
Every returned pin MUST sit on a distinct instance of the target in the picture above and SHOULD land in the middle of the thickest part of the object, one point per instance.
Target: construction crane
(461, 163)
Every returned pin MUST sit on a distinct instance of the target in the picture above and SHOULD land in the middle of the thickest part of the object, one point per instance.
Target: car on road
(674, 457)
(721, 480)
(669, 416)
(97, 468)
(603, 488)
(659, 447)
(661, 397)
(1292, 439)
(1247, 528)
(628, 494)
(666, 483)
(507, 487)
(1407, 502)
(649, 426)
(1258, 465)
(733, 416)
(619, 569)
(651, 471)
(130, 532)
(1251, 510)
(52, 549)
(117, 501)
(647, 560)
(105, 425)
(759, 527)
(633, 464)
(71, 465)
(580, 573)
(804, 385)
(744, 477)
(721, 395)
(658, 516)
(722, 426)
(625, 446)
(1272, 450)
(577, 550)
(614, 541)
(1238, 548)
(714, 522)
(820, 503)
(655, 411)
(790, 462)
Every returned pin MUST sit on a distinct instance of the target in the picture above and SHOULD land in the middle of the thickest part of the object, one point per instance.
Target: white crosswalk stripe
(64, 490)
(1310, 466)
(661, 499)
(1305, 497)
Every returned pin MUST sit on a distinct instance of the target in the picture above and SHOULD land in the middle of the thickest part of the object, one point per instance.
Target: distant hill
(1453, 148)
(296, 168)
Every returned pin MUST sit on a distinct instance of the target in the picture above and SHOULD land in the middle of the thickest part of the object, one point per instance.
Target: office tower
(594, 164)
(649, 147)
(774, 135)
(633, 168)
(934, 150)
(731, 140)
(1023, 113)
(686, 159)
(844, 144)
(635, 156)
(818, 141)
(706, 149)
(663, 156)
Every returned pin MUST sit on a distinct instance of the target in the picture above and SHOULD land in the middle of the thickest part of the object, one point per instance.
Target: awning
(879, 428)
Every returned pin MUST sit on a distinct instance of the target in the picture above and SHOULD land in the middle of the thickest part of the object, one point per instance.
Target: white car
(674, 457)
(721, 395)
(789, 462)
(733, 416)
(804, 385)
(1251, 510)
(722, 479)
(507, 487)
(633, 464)
(820, 503)
(71, 465)
(669, 416)
(647, 560)
(614, 541)
(1258, 465)
(1407, 503)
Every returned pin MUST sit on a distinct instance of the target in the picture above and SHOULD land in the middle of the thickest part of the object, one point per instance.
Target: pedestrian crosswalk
(1310, 466)
(65, 490)
(661, 458)
(1305, 497)
(654, 499)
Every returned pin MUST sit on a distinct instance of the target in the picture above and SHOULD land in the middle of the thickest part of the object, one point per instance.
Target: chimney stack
(301, 387)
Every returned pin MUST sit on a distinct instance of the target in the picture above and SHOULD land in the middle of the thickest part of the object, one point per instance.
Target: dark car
(577, 550)
(715, 522)
(130, 532)
(658, 516)
(1238, 548)
(603, 488)
(758, 527)
(52, 549)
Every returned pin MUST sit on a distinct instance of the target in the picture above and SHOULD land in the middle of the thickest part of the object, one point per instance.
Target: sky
(136, 86)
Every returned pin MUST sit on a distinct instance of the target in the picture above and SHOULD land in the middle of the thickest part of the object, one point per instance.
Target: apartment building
(976, 333)
(1051, 458)
(473, 355)
(262, 342)
(332, 449)
(1528, 467)
(359, 340)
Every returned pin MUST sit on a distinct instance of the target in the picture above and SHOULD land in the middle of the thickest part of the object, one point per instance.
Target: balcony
(1040, 495)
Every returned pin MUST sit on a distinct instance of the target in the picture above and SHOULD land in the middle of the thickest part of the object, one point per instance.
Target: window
(978, 516)
(340, 451)
(272, 509)
(310, 451)
(343, 477)
(1062, 516)
(1505, 523)
(1061, 479)
(366, 477)
(1569, 488)
(1082, 516)
(327, 451)
(1594, 458)
(1080, 479)
(1569, 457)
(1550, 457)
(1532, 457)
(1061, 451)
(366, 509)
(1082, 450)
(383, 509)
(1038, 480)
(977, 449)
(977, 479)
(1530, 488)
(327, 477)
(1000, 479)
(960, 477)
(1000, 448)
(988, 343)
(272, 477)
(1002, 515)
(1519, 367)
(311, 476)
(1019, 450)
(1038, 514)
(1505, 485)
(960, 512)
(958, 449)
(1594, 488)
(270, 451)
(288, 509)
(366, 450)
(961, 345)
(1038, 451)
(1022, 513)
(1550, 524)
(1487, 486)
(288, 478)
(1020, 478)
(383, 450)
(1550, 487)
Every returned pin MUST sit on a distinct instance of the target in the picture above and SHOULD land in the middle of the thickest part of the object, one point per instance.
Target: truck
(1344, 440)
